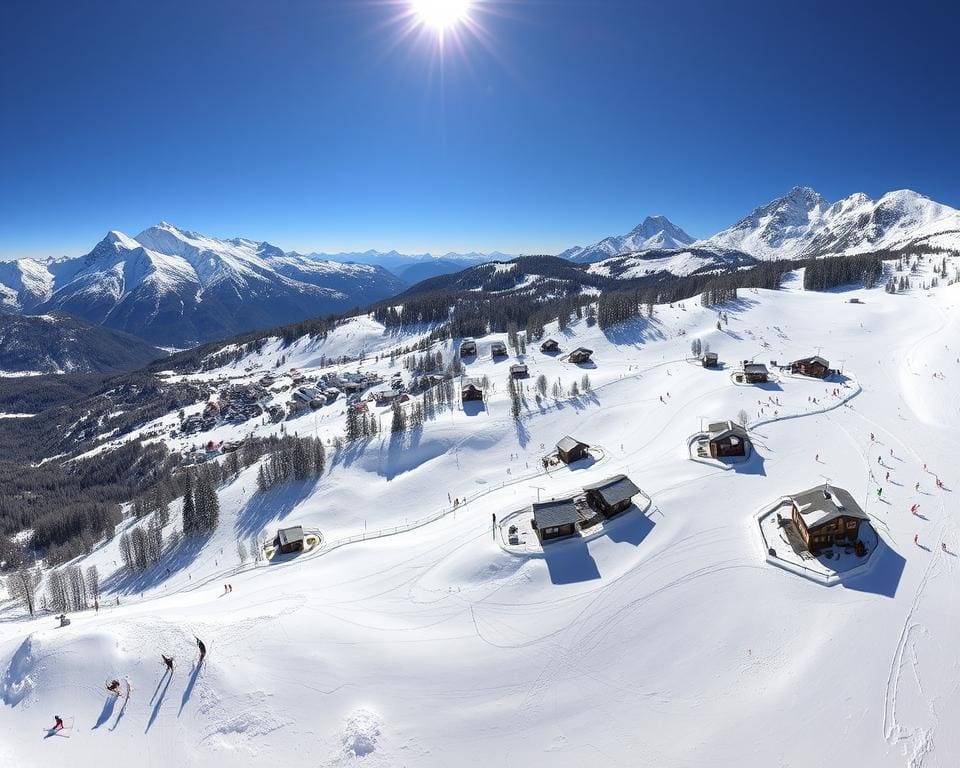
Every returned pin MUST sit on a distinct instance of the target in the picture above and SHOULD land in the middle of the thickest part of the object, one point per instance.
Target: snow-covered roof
(814, 359)
(721, 429)
(569, 443)
(290, 535)
(825, 503)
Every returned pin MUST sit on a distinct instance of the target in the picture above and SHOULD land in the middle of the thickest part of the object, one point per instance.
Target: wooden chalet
(611, 496)
(498, 349)
(580, 355)
(554, 519)
(550, 346)
(811, 366)
(826, 515)
(710, 360)
(471, 389)
(468, 347)
(755, 373)
(519, 371)
(570, 450)
(290, 539)
(727, 438)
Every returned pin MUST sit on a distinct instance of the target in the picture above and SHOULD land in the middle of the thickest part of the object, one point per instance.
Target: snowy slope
(668, 640)
(803, 224)
(677, 261)
(64, 344)
(176, 288)
(654, 232)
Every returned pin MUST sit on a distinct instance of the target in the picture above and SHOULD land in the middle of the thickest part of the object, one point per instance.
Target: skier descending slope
(59, 728)
(168, 661)
(202, 647)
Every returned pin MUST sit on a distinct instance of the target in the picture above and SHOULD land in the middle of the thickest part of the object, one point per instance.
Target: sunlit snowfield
(666, 641)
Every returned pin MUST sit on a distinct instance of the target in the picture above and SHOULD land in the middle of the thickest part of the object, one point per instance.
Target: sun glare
(441, 14)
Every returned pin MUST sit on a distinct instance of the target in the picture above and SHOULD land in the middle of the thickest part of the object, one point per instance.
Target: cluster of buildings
(758, 373)
(560, 518)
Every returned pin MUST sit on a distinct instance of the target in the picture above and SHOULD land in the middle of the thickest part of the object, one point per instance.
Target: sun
(441, 15)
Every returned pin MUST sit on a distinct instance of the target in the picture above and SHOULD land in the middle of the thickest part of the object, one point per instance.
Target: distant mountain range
(176, 288)
(411, 268)
(63, 344)
(801, 224)
(654, 233)
(173, 287)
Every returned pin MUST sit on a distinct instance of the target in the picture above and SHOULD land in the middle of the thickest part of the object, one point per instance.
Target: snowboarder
(943, 546)
(871, 437)
(879, 493)
(917, 486)
(888, 477)
(168, 661)
(916, 539)
(202, 647)
(114, 687)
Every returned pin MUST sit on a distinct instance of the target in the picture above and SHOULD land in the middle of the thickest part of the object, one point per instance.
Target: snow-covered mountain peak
(654, 232)
(176, 287)
(803, 224)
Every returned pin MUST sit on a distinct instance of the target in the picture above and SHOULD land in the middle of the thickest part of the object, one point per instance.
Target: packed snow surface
(667, 640)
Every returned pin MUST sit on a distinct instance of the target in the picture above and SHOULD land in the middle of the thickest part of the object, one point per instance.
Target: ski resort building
(471, 389)
(554, 519)
(468, 347)
(755, 373)
(498, 349)
(612, 495)
(290, 539)
(519, 371)
(710, 360)
(826, 515)
(811, 366)
(580, 355)
(570, 450)
(726, 438)
(550, 346)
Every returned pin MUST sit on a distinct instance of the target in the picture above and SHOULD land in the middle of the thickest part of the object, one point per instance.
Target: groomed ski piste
(669, 640)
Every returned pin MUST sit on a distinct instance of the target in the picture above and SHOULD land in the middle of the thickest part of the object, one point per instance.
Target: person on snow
(114, 687)
(202, 647)
(57, 723)
(168, 660)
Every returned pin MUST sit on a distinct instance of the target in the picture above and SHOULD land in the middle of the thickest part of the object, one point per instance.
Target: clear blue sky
(318, 125)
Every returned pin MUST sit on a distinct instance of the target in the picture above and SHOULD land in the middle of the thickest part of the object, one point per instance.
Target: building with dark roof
(471, 389)
(570, 450)
(826, 515)
(468, 347)
(811, 366)
(290, 539)
(554, 519)
(519, 371)
(498, 349)
(550, 345)
(754, 373)
(710, 359)
(727, 438)
(612, 495)
(580, 355)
